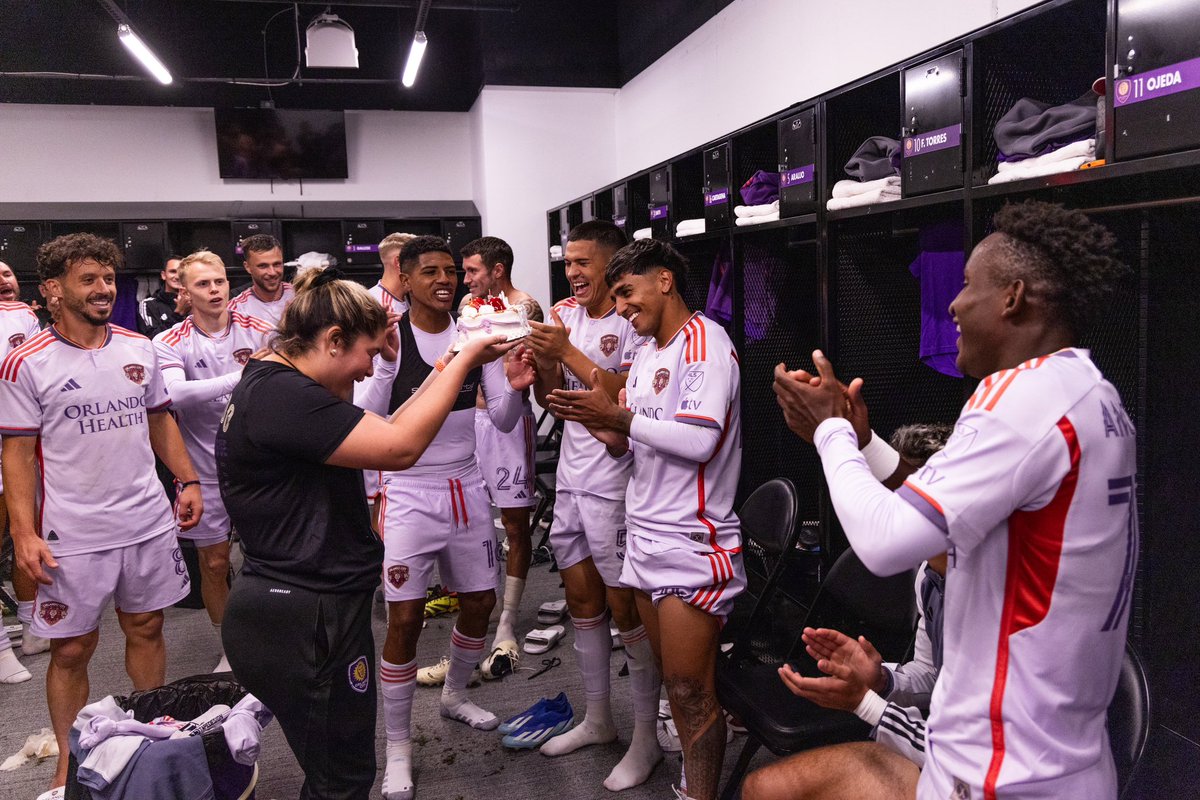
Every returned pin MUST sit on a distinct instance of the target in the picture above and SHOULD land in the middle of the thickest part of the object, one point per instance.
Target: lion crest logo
(242, 356)
(608, 344)
(397, 575)
(53, 612)
(660, 380)
(16, 340)
(135, 373)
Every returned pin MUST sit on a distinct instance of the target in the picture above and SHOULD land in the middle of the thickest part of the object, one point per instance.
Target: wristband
(184, 484)
(439, 365)
(881, 457)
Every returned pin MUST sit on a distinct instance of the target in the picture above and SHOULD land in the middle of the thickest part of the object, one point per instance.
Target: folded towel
(757, 211)
(1086, 147)
(877, 157)
(642, 233)
(759, 219)
(689, 227)
(1049, 168)
(852, 188)
(885, 194)
(556, 251)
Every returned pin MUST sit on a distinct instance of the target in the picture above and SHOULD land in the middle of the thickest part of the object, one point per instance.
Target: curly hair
(57, 255)
(410, 254)
(1065, 259)
(917, 442)
(640, 257)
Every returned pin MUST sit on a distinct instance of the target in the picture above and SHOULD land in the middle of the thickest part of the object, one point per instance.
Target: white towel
(885, 194)
(758, 220)
(556, 251)
(689, 227)
(642, 233)
(1047, 168)
(757, 211)
(1081, 149)
(851, 188)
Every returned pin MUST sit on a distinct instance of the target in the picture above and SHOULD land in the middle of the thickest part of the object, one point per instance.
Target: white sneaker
(503, 660)
(32, 645)
(436, 675)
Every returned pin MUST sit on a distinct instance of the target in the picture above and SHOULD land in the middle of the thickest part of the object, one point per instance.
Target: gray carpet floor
(452, 761)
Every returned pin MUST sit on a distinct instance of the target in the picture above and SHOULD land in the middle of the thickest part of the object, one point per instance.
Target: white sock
(465, 652)
(644, 752)
(25, 611)
(397, 775)
(514, 588)
(397, 684)
(11, 670)
(593, 644)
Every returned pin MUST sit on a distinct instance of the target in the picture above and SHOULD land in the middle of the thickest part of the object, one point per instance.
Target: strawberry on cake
(488, 316)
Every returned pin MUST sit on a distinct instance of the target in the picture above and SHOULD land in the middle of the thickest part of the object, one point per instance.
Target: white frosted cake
(483, 317)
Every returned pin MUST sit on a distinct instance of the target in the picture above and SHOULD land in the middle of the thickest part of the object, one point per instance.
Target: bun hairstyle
(325, 299)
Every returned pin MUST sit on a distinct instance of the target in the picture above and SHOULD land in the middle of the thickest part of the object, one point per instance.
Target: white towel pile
(689, 227)
(642, 233)
(1065, 159)
(556, 251)
(756, 215)
(849, 194)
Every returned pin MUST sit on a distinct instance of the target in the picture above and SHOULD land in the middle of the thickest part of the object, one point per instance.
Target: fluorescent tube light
(134, 44)
(415, 53)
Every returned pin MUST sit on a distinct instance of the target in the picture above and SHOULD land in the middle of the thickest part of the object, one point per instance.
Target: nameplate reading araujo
(932, 141)
(797, 176)
(658, 212)
(1161, 82)
(717, 197)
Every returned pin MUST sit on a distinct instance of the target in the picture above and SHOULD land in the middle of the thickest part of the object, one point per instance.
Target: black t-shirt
(301, 521)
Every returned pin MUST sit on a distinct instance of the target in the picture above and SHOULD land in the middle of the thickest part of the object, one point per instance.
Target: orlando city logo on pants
(359, 674)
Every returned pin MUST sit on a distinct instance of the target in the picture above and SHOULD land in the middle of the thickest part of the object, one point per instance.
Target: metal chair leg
(733, 786)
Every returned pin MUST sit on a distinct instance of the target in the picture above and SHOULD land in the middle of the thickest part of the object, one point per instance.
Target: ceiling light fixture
(330, 43)
(415, 53)
(134, 44)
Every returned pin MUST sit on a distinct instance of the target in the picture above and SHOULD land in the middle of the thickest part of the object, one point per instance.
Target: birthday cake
(489, 316)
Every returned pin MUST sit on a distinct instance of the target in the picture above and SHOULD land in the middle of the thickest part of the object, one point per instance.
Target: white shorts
(214, 525)
(592, 527)
(692, 571)
(372, 483)
(506, 460)
(147, 576)
(428, 521)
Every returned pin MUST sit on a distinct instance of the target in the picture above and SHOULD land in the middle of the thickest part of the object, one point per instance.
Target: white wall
(59, 153)
(535, 148)
(758, 57)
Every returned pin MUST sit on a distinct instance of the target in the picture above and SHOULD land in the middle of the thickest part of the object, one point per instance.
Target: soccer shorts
(371, 482)
(586, 526)
(147, 576)
(506, 460)
(445, 522)
(692, 571)
(214, 525)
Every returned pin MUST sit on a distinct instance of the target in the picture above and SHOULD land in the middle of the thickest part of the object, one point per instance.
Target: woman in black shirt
(290, 454)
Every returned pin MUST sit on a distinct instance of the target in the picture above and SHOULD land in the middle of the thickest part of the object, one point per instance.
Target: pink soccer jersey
(89, 408)
(192, 353)
(695, 379)
(389, 301)
(251, 305)
(17, 323)
(583, 465)
(1036, 493)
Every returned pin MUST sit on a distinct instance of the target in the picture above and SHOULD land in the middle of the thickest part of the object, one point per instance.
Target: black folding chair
(1129, 719)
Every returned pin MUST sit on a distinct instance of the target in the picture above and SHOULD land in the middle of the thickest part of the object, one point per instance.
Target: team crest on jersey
(16, 340)
(53, 612)
(359, 674)
(397, 575)
(660, 380)
(242, 356)
(135, 373)
(608, 344)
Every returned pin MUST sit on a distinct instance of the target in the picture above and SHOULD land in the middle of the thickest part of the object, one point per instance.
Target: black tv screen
(281, 144)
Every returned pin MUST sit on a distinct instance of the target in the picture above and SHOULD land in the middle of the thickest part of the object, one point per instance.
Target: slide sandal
(552, 612)
(541, 640)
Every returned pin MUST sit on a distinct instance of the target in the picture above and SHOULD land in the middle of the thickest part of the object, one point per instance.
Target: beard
(86, 312)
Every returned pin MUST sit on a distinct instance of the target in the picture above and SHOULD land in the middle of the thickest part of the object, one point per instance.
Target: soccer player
(590, 344)
(85, 400)
(201, 360)
(682, 422)
(1035, 499)
(437, 510)
(17, 323)
(165, 307)
(506, 459)
(268, 294)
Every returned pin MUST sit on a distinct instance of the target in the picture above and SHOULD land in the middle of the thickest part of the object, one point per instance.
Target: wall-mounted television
(265, 143)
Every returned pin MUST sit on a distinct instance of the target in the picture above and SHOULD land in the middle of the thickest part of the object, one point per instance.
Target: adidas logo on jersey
(52, 536)
(70, 385)
(201, 365)
(521, 495)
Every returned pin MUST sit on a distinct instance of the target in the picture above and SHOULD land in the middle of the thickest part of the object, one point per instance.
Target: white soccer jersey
(17, 323)
(1036, 493)
(252, 305)
(89, 409)
(389, 301)
(695, 379)
(584, 466)
(192, 354)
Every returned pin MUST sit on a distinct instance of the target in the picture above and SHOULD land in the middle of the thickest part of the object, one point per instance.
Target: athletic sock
(398, 683)
(593, 644)
(514, 588)
(25, 611)
(397, 775)
(11, 670)
(30, 643)
(644, 752)
(465, 653)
